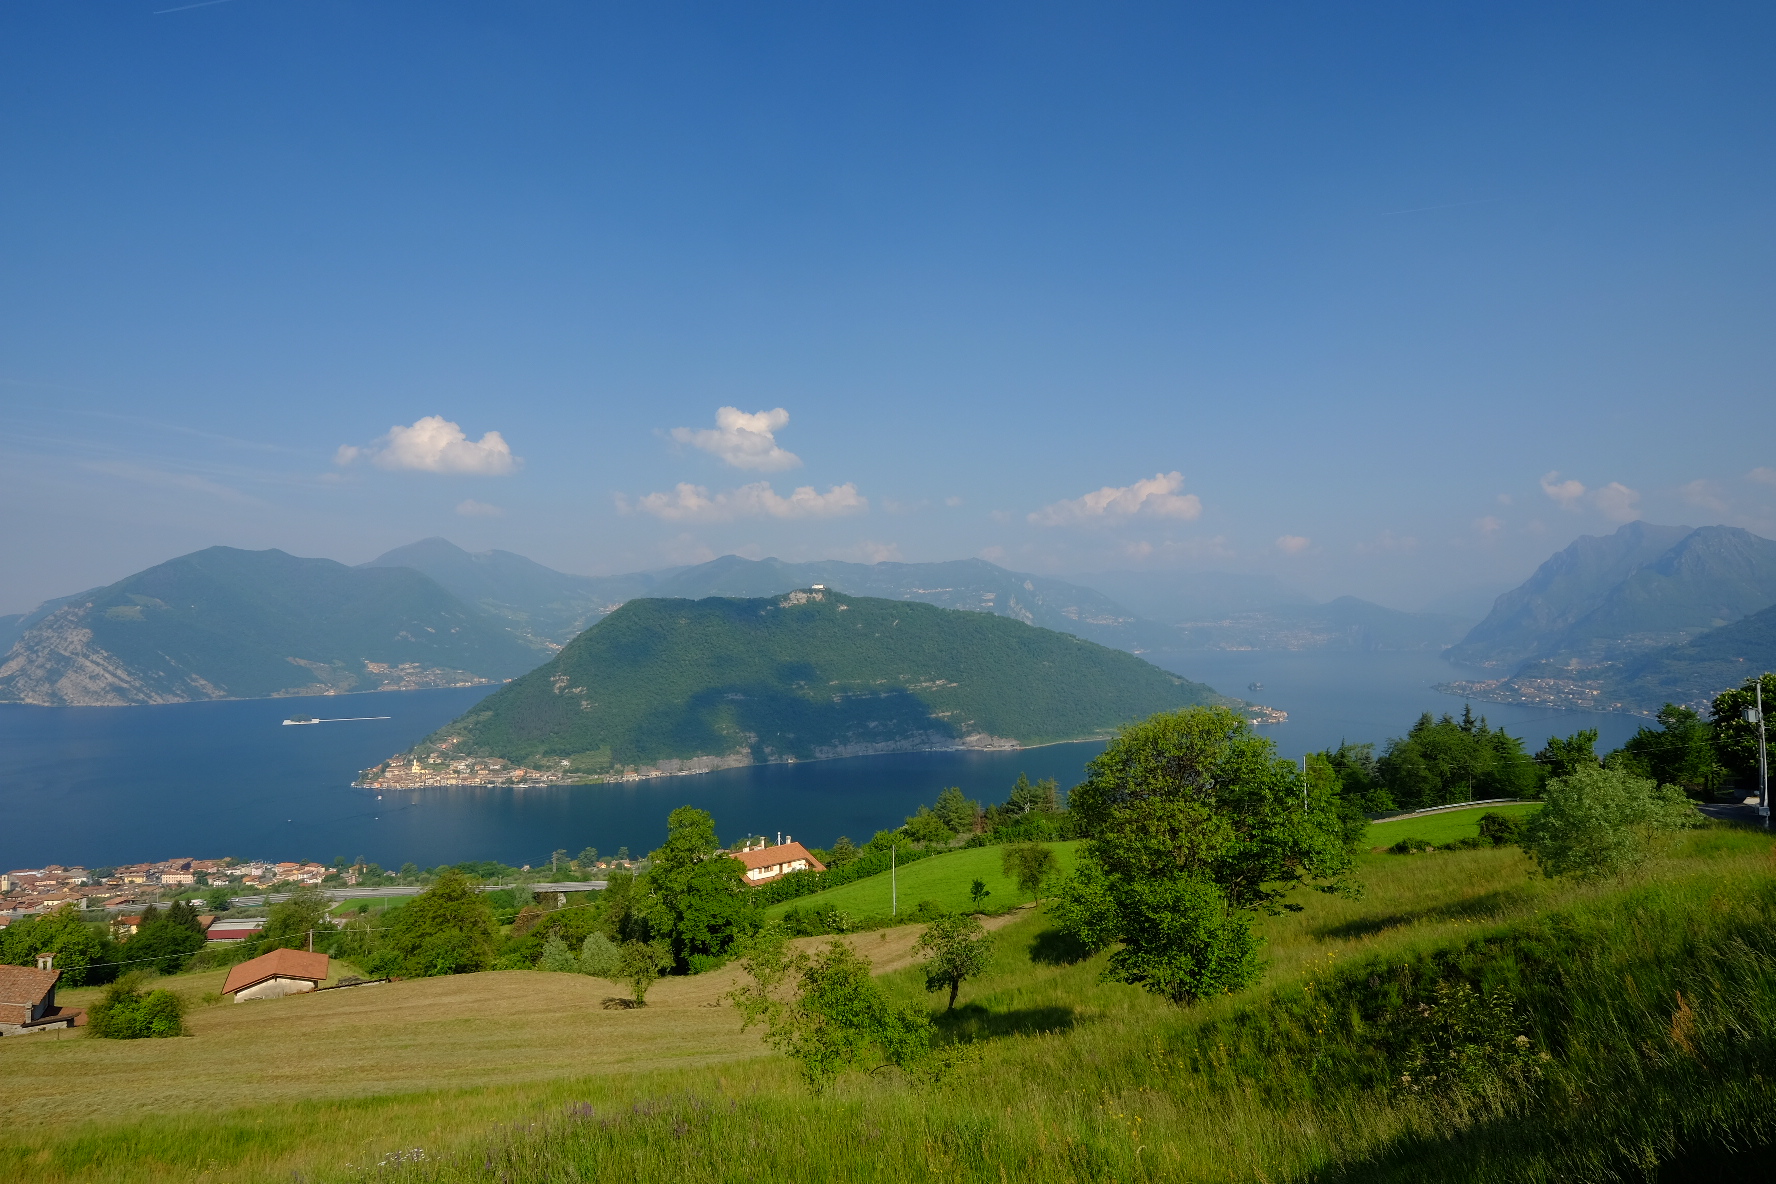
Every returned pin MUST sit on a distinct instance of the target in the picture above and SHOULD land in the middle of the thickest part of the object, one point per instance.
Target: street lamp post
(1756, 715)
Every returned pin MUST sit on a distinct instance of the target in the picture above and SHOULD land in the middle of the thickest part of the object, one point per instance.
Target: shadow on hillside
(1503, 1149)
(1054, 947)
(972, 1022)
(1474, 908)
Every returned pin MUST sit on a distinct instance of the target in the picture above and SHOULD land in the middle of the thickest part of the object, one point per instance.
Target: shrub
(446, 929)
(639, 964)
(1411, 846)
(1599, 822)
(557, 957)
(598, 956)
(1501, 830)
(127, 1012)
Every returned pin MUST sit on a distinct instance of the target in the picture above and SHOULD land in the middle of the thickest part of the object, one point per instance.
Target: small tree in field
(958, 948)
(1030, 864)
(826, 1012)
(1599, 822)
(639, 963)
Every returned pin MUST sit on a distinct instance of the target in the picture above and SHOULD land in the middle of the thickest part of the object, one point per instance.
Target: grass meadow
(1437, 829)
(1649, 998)
(945, 879)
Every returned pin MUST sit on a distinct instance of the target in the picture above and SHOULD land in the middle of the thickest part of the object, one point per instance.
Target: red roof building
(274, 975)
(764, 864)
(27, 1000)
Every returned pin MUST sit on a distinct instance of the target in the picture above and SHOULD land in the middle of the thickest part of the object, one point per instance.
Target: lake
(101, 786)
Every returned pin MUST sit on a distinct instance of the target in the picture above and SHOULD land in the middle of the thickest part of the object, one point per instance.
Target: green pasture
(945, 879)
(1439, 829)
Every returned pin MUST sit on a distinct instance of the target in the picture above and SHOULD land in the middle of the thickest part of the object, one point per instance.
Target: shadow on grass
(1052, 947)
(972, 1022)
(1477, 908)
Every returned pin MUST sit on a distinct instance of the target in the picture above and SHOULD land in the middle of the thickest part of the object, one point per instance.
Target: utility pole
(893, 880)
(1756, 715)
(1304, 783)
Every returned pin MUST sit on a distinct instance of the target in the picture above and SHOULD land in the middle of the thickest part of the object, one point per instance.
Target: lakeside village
(33, 891)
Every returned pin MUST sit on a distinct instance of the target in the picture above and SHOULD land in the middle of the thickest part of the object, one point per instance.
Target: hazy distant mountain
(1528, 620)
(230, 624)
(1608, 622)
(1176, 597)
(671, 685)
(1224, 611)
(971, 584)
(540, 604)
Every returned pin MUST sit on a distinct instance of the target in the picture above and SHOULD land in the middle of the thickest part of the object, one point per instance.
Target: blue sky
(1384, 299)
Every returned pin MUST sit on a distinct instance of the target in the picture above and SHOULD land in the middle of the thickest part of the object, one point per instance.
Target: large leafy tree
(292, 924)
(163, 941)
(1193, 825)
(1735, 740)
(696, 902)
(447, 929)
(1441, 761)
(83, 954)
(1681, 753)
(956, 948)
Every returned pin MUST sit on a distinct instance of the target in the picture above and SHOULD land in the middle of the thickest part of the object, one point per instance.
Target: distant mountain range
(1630, 621)
(229, 624)
(225, 623)
(677, 686)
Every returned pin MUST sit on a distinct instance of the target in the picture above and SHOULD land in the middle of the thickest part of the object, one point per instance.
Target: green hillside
(804, 676)
(945, 879)
(229, 624)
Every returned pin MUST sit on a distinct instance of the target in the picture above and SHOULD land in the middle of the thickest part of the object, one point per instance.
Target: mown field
(1648, 996)
(1438, 829)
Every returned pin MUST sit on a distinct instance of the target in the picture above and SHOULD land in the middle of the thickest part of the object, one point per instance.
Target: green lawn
(1438, 829)
(943, 878)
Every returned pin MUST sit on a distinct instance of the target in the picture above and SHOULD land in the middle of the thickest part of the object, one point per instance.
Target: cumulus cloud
(1614, 501)
(1156, 497)
(1567, 493)
(694, 503)
(1488, 526)
(1292, 544)
(470, 508)
(435, 445)
(746, 441)
(1617, 502)
(1763, 475)
(1706, 494)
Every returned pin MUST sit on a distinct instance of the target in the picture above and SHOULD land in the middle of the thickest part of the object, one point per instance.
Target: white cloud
(1703, 493)
(1292, 544)
(746, 441)
(435, 445)
(1567, 493)
(470, 508)
(694, 503)
(1488, 526)
(1617, 502)
(1156, 497)
(1763, 475)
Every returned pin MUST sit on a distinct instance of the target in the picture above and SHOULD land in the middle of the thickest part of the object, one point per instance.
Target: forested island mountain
(1607, 622)
(230, 624)
(678, 686)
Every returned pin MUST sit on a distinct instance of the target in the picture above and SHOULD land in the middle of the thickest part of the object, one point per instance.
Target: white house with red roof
(764, 864)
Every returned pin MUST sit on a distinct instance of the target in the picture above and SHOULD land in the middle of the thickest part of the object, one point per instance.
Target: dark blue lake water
(101, 786)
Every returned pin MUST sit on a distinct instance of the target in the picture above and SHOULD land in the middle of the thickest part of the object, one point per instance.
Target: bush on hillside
(557, 957)
(599, 956)
(1500, 830)
(825, 1011)
(1411, 846)
(1600, 822)
(128, 1012)
(164, 941)
(294, 923)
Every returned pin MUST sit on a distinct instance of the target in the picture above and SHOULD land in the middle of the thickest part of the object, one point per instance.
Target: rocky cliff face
(57, 664)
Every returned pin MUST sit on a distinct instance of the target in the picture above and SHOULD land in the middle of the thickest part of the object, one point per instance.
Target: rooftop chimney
(46, 961)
